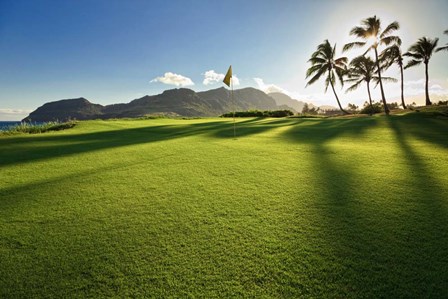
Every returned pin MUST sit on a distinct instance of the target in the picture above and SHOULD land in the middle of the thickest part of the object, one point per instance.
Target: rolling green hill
(344, 207)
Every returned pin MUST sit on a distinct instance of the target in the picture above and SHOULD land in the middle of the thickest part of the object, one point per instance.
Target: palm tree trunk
(428, 101)
(402, 87)
(337, 99)
(370, 98)
(386, 109)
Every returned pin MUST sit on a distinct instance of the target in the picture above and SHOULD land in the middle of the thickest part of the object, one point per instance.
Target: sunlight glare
(372, 40)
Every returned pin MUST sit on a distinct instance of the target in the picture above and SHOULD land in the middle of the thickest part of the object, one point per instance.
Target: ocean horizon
(4, 125)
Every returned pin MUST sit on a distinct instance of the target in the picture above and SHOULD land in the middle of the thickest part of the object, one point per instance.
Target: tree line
(363, 69)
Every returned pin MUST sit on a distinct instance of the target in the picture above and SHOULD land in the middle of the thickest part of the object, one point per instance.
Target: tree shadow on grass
(253, 127)
(431, 130)
(16, 150)
(368, 250)
(339, 227)
(323, 131)
(426, 225)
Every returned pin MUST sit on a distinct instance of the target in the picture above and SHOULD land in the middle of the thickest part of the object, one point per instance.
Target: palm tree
(323, 62)
(444, 47)
(362, 69)
(370, 31)
(420, 52)
(392, 55)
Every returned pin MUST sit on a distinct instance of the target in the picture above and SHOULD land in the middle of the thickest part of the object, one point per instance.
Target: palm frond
(358, 31)
(389, 29)
(318, 54)
(317, 75)
(389, 56)
(333, 52)
(316, 60)
(413, 63)
(414, 55)
(417, 46)
(422, 49)
(372, 26)
(327, 82)
(376, 79)
(354, 86)
(350, 80)
(391, 40)
(314, 69)
(341, 61)
(388, 79)
(362, 66)
(353, 45)
(341, 72)
(434, 43)
(444, 48)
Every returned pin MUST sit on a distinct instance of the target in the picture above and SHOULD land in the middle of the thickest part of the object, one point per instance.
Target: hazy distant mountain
(182, 101)
(283, 99)
(328, 107)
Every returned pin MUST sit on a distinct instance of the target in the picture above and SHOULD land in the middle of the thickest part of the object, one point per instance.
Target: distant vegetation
(257, 113)
(35, 128)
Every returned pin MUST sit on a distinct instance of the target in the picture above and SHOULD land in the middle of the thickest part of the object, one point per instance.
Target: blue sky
(116, 51)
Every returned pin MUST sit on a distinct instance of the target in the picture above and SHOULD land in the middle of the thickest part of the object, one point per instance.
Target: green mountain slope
(182, 101)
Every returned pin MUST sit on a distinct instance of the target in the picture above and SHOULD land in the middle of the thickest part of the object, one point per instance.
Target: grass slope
(178, 208)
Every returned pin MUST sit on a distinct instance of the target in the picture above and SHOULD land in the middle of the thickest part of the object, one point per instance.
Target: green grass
(350, 207)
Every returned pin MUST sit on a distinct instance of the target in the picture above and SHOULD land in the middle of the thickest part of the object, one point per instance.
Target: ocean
(4, 125)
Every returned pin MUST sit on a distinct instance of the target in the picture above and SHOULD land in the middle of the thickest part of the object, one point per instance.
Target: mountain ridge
(178, 101)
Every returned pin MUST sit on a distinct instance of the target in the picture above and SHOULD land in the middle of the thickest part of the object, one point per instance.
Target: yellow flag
(228, 77)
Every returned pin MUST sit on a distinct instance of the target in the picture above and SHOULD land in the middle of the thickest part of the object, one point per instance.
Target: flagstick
(233, 98)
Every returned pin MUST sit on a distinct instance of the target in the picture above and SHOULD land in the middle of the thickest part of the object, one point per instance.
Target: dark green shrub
(375, 108)
(257, 113)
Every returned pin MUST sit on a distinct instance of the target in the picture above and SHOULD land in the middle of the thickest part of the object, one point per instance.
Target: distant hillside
(283, 99)
(327, 107)
(245, 99)
(79, 108)
(182, 101)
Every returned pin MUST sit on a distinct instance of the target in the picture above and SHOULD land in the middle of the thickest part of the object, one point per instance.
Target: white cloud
(435, 87)
(13, 114)
(236, 81)
(173, 79)
(415, 83)
(15, 111)
(417, 87)
(211, 77)
(268, 88)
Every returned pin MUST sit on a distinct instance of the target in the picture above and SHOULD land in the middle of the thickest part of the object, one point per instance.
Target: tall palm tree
(362, 69)
(323, 62)
(444, 47)
(420, 52)
(392, 55)
(370, 31)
